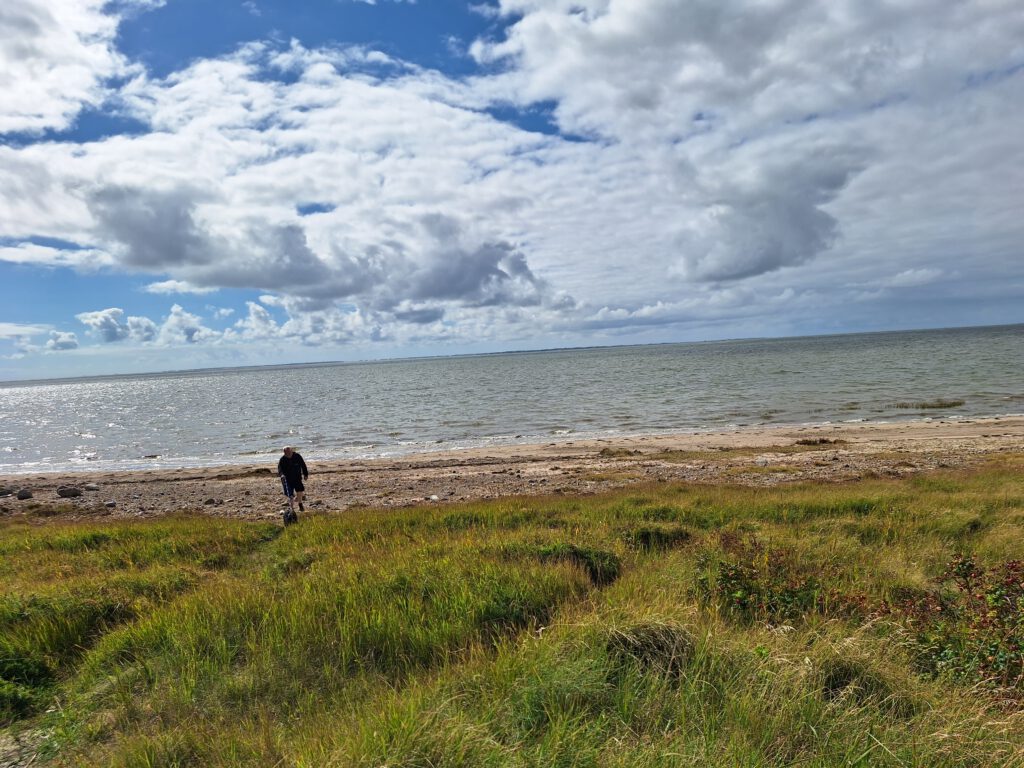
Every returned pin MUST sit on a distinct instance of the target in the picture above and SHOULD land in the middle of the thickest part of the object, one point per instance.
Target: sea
(399, 407)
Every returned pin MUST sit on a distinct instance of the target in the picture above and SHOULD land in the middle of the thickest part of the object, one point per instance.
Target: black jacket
(292, 467)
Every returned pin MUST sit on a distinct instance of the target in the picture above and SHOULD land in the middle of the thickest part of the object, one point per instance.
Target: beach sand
(752, 456)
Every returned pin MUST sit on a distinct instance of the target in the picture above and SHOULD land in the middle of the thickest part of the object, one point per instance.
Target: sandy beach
(752, 456)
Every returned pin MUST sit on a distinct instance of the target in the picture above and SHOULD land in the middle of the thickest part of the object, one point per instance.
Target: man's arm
(305, 472)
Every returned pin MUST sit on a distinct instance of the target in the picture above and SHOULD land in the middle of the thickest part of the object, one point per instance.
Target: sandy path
(759, 456)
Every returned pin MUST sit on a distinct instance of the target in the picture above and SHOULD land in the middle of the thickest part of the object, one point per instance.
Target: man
(292, 470)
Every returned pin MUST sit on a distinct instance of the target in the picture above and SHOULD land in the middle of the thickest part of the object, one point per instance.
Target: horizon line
(366, 361)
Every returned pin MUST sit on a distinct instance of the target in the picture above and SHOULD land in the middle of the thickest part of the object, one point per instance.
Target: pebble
(68, 492)
(110, 504)
(91, 487)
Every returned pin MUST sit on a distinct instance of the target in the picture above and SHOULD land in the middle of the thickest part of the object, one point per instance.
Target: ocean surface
(391, 408)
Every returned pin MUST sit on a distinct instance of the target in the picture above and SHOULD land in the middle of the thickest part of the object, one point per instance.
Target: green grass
(867, 623)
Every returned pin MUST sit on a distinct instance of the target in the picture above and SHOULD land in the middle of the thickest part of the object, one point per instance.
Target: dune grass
(867, 623)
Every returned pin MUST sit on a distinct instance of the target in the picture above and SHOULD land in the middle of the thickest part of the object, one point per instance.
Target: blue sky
(187, 184)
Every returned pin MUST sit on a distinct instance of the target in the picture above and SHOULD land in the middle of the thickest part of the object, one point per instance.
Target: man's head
(288, 451)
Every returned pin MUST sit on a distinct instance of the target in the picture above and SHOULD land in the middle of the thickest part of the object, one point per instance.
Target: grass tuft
(662, 647)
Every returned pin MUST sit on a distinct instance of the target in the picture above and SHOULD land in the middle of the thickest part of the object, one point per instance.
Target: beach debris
(91, 487)
(68, 492)
(435, 497)
(110, 504)
(5, 491)
(24, 493)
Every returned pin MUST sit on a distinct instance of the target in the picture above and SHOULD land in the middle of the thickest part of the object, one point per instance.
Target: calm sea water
(405, 406)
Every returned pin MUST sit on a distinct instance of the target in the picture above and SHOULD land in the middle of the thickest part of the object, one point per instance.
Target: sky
(188, 184)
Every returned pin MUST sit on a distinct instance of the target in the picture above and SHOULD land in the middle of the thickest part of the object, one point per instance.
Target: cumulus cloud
(61, 340)
(774, 220)
(182, 327)
(55, 59)
(660, 68)
(105, 323)
(110, 325)
(258, 324)
(141, 329)
(714, 77)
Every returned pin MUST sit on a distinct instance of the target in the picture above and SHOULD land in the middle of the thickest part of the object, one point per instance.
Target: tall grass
(869, 623)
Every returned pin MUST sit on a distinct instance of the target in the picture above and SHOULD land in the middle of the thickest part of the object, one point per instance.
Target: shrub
(972, 625)
(755, 582)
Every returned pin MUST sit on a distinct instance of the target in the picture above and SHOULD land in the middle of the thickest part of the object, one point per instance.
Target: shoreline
(86, 469)
(758, 456)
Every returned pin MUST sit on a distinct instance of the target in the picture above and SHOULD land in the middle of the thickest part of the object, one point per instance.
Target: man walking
(292, 470)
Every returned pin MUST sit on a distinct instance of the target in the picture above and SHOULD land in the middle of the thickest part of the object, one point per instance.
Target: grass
(866, 623)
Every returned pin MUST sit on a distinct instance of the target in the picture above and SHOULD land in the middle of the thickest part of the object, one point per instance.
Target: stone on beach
(24, 494)
(68, 492)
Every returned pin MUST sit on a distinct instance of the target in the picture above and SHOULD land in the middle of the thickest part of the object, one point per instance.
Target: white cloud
(21, 330)
(55, 58)
(910, 278)
(259, 324)
(61, 340)
(110, 325)
(182, 327)
(177, 286)
(48, 256)
(142, 329)
(105, 323)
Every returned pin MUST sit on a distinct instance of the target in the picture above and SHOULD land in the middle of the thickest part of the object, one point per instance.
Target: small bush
(755, 582)
(16, 701)
(972, 626)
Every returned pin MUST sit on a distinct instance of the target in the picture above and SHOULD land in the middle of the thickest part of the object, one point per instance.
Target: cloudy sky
(188, 184)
